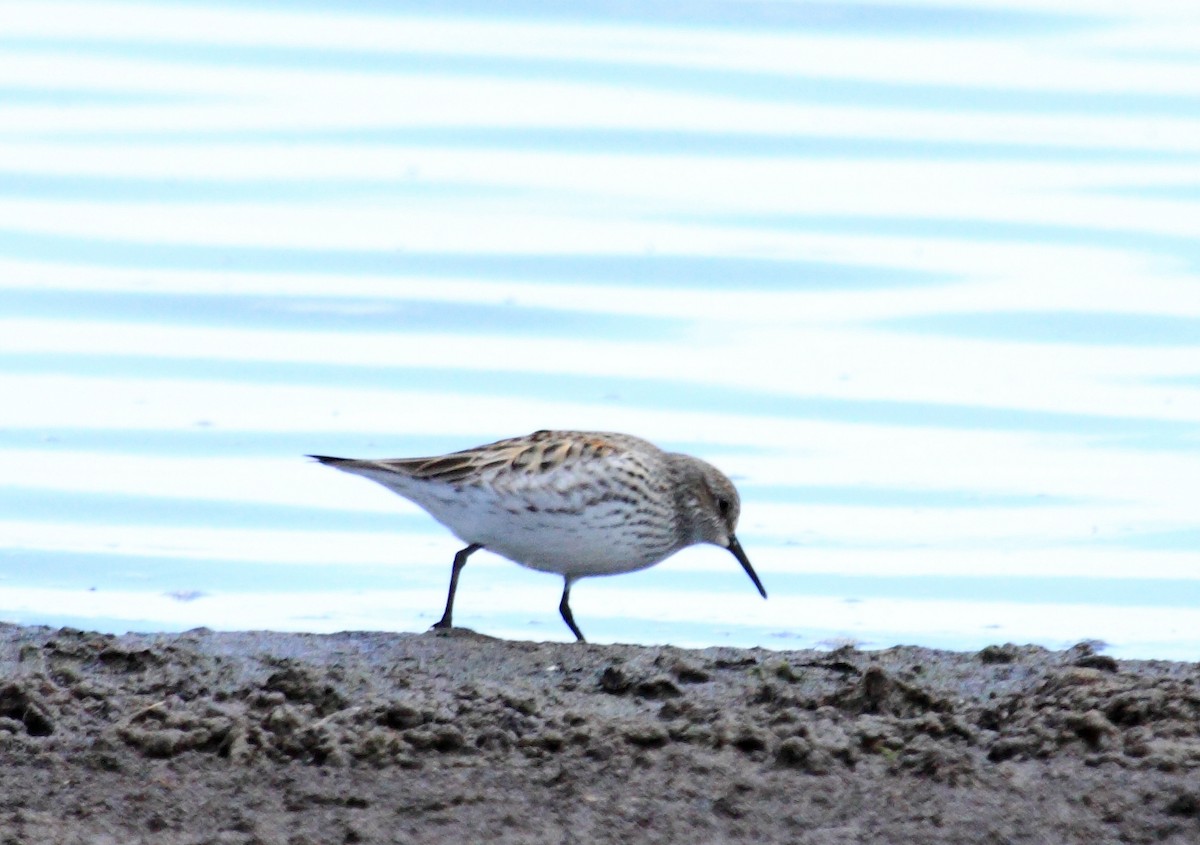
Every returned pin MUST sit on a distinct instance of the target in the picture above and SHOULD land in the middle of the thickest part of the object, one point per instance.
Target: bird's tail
(331, 461)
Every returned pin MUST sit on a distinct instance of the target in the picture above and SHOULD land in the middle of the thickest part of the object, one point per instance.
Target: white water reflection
(924, 280)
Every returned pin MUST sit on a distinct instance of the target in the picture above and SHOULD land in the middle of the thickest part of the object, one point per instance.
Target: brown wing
(530, 454)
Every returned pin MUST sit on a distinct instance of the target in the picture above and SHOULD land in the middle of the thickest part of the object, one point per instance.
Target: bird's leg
(460, 560)
(564, 608)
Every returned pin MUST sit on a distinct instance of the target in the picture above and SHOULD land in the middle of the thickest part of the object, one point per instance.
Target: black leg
(460, 560)
(565, 609)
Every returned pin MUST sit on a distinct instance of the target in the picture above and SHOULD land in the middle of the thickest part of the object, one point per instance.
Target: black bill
(736, 548)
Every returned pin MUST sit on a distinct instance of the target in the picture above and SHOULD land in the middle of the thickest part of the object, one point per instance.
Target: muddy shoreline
(260, 737)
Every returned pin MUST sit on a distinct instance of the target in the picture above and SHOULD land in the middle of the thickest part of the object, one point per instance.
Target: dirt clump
(209, 737)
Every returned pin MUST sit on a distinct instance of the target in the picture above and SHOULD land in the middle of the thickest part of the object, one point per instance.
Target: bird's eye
(723, 505)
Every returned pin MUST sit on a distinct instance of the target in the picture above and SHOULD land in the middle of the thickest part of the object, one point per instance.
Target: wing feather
(528, 456)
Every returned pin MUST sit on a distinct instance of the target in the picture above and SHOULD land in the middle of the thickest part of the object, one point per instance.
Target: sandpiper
(577, 503)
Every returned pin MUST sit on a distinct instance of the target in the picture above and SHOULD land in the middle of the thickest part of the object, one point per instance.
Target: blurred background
(923, 278)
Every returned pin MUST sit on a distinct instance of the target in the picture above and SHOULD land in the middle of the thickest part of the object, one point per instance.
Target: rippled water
(924, 279)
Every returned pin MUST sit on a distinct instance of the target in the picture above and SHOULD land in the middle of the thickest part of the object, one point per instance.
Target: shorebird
(576, 503)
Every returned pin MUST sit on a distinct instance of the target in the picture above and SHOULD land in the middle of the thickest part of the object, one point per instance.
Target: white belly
(605, 539)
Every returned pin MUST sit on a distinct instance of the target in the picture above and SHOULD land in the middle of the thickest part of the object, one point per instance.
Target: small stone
(615, 681)
(798, 753)
(689, 673)
(993, 654)
(658, 687)
(647, 735)
(1102, 662)
(1092, 727)
(401, 715)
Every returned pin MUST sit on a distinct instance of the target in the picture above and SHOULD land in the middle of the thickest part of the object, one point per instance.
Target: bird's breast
(570, 530)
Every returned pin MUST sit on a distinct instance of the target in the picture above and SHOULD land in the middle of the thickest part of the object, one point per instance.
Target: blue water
(923, 278)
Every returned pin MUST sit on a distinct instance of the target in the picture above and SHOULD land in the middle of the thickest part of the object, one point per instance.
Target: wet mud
(295, 739)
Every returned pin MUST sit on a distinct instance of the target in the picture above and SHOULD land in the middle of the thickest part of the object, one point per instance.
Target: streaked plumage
(572, 502)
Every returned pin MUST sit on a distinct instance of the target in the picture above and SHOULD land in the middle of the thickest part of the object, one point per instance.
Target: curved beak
(736, 548)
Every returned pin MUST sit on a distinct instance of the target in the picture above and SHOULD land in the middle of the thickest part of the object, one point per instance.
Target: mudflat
(453, 737)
